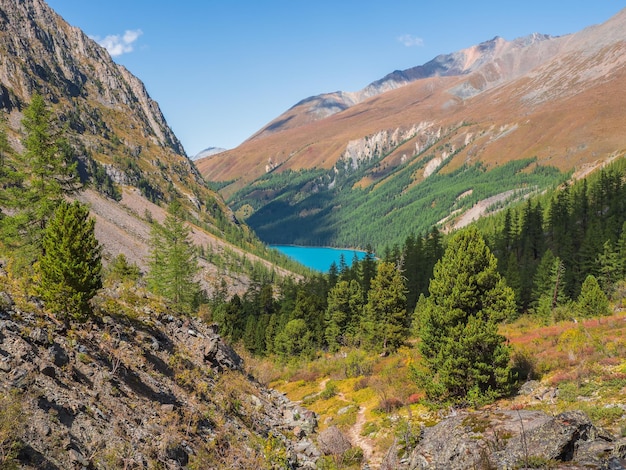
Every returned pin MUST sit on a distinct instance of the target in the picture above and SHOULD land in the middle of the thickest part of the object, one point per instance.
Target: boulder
(331, 441)
(510, 439)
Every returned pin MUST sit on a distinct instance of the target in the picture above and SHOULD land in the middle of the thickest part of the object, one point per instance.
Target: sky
(222, 69)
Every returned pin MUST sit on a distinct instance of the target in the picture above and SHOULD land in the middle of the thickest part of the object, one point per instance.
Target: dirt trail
(353, 433)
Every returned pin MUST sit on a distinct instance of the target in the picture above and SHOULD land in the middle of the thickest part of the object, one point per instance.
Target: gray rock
(331, 441)
(506, 439)
(5, 364)
(307, 449)
(58, 355)
(77, 458)
(39, 336)
(48, 369)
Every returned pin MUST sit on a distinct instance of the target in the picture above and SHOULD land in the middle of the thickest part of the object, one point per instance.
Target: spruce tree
(70, 267)
(463, 352)
(345, 303)
(592, 301)
(387, 323)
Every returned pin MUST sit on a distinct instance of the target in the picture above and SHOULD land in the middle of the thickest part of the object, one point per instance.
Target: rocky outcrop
(42, 53)
(377, 145)
(509, 439)
(136, 390)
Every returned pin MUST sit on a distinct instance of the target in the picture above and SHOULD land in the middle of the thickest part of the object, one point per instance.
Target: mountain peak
(458, 63)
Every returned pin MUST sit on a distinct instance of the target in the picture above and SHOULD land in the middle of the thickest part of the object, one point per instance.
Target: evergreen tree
(413, 270)
(36, 182)
(621, 250)
(310, 305)
(462, 349)
(49, 161)
(610, 267)
(173, 263)
(368, 270)
(294, 340)
(333, 275)
(8, 176)
(70, 267)
(120, 270)
(345, 303)
(387, 324)
(592, 302)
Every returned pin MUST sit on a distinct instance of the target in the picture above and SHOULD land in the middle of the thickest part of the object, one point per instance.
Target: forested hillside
(547, 247)
(335, 207)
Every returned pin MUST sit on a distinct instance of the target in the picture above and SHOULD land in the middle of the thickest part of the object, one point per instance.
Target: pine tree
(173, 263)
(592, 302)
(70, 267)
(463, 352)
(40, 178)
(345, 302)
(387, 323)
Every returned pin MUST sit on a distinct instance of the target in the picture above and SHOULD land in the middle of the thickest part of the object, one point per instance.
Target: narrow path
(358, 440)
(354, 435)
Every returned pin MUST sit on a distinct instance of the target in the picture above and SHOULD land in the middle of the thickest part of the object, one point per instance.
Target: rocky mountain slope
(119, 136)
(140, 389)
(556, 99)
(459, 63)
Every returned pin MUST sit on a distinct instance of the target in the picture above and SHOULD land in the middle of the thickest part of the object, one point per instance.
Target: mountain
(207, 152)
(130, 159)
(424, 146)
(447, 65)
(136, 383)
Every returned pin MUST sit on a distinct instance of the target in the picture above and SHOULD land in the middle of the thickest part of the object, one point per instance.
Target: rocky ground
(514, 438)
(152, 390)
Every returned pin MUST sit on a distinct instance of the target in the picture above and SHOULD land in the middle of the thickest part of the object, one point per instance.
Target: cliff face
(41, 52)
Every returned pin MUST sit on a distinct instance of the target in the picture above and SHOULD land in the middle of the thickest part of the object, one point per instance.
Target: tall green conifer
(463, 352)
(173, 263)
(70, 267)
(387, 323)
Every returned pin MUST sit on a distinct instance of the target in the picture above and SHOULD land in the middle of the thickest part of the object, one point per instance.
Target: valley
(147, 321)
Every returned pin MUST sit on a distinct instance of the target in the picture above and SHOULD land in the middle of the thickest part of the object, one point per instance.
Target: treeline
(338, 209)
(546, 249)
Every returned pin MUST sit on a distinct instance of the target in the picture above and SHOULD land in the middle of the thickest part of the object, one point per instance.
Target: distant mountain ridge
(207, 152)
(557, 100)
(458, 63)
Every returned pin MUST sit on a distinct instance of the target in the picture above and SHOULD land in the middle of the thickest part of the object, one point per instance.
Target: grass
(586, 361)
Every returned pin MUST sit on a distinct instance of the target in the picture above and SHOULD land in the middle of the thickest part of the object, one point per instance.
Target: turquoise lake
(318, 258)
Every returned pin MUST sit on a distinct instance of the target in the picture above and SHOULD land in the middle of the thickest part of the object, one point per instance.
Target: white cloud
(118, 45)
(411, 41)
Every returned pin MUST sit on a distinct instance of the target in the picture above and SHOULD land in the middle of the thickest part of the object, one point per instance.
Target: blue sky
(221, 69)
